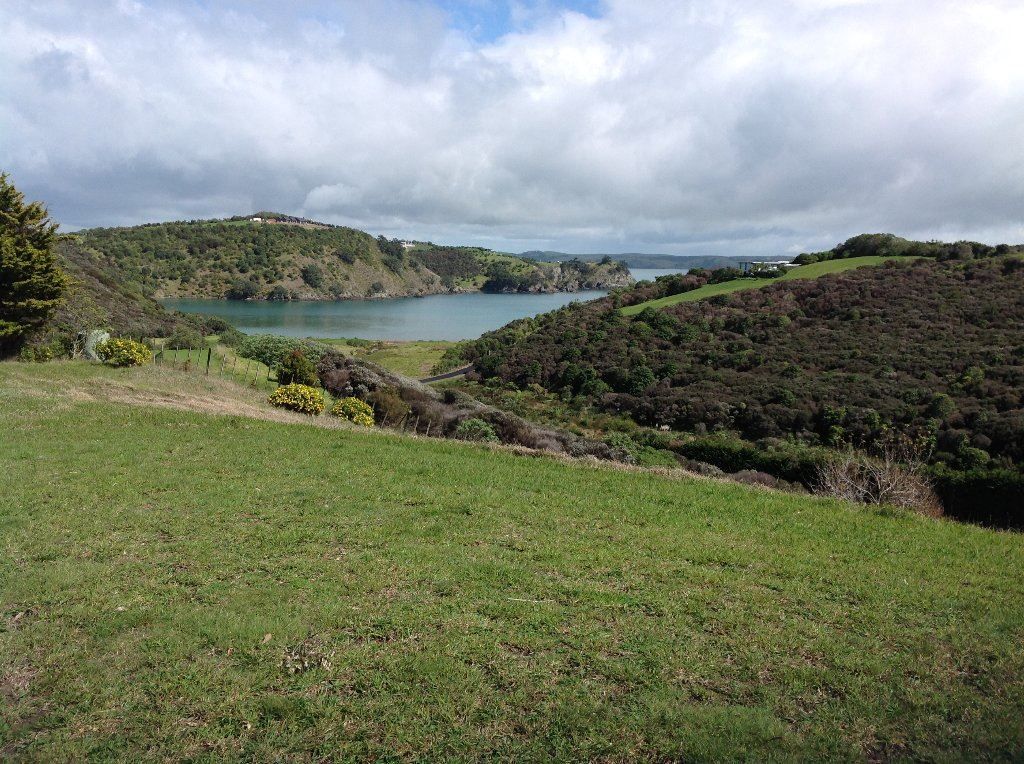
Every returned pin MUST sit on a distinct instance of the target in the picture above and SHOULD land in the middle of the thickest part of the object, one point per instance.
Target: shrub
(123, 352)
(476, 429)
(313, 275)
(184, 337)
(878, 480)
(297, 369)
(242, 289)
(354, 410)
(231, 337)
(641, 454)
(270, 349)
(388, 406)
(301, 398)
(42, 353)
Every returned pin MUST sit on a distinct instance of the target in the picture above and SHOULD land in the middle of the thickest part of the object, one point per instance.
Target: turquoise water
(438, 317)
(650, 274)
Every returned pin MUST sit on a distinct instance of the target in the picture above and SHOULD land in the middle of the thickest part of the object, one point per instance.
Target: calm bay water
(438, 317)
(650, 274)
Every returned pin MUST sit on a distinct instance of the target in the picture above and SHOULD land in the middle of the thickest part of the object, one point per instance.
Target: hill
(810, 270)
(99, 297)
(279, 257)
(319, 593)
(641, 260)
(921, 349)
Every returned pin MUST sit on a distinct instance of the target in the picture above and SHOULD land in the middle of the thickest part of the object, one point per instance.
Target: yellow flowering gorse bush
(354, 410)
(301, 398)
(123, 352)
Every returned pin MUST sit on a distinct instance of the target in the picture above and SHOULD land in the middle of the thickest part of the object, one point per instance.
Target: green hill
(915, 354)
(808, 271)
(178, 585)
(279, 257)
(99, 297)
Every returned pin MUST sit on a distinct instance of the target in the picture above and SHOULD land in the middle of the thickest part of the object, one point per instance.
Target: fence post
(209, 357)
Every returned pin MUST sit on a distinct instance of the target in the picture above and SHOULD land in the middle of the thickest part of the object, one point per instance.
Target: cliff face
(281, 258)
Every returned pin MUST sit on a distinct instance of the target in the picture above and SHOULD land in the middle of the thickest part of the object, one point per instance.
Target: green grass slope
(175, 585)
(810, 271)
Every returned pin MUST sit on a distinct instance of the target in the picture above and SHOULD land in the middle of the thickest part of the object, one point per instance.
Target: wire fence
(215, 362)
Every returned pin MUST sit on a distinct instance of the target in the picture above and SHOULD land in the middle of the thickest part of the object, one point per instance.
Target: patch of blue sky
(488, 20)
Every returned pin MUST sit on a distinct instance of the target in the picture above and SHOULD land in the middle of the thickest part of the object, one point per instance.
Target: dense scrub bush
(451, 359)
(990, 497)
(888, 245)
(388, 407)
(928, 348)
(270, 349)
(242, 289)
(791, 361)
(301, 398)
(476, 429)
(296, 368)
(231, 337)
(430, 414)
(451, 263)
(313, 275)
(123, 352)
(184, 337)
(640, 454)
(354, 410)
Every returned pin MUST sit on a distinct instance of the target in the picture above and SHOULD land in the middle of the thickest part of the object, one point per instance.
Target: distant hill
(271, 256)
(641, 260)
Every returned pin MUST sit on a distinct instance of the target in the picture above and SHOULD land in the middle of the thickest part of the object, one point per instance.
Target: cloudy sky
(709, 126)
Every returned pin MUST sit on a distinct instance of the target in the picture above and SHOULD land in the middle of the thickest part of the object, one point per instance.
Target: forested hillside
(278, 257)
(928, 349)
(98, 298)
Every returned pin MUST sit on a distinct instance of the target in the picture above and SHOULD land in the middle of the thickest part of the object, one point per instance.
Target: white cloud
(688, 127)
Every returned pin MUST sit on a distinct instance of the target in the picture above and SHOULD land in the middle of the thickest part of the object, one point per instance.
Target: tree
(313, 275)
(243, 289)
(295, 368)
(31, 282)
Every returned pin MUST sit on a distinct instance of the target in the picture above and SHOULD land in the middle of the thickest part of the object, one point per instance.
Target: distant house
(256, 219)
(750, 266)
(408, 244)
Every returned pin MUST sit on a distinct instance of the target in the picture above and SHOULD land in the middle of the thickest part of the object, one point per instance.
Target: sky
(596, 126)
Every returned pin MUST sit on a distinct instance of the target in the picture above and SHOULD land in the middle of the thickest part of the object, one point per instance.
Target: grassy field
(811, 271)
(413, 359)
(223, 362)
(180, 585)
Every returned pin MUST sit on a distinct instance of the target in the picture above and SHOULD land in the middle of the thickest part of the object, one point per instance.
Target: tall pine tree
(31, 283)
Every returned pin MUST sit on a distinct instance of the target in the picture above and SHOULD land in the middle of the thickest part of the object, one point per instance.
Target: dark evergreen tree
(31, 283)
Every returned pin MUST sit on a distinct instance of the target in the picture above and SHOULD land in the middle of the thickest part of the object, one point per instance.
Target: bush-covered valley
(921, 351)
